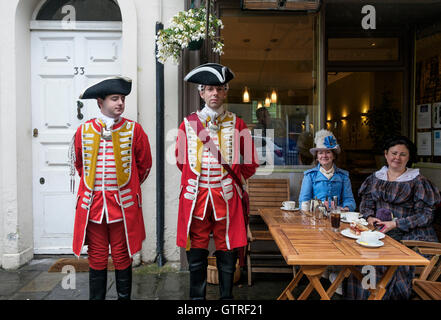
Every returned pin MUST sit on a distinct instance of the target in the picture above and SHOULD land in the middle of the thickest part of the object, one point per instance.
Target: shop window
(80, 10)
(428, 98)
(274, 58)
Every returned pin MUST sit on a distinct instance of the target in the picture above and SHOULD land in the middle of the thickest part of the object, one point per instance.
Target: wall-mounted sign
(437, 143)
(436, 115)
(424, 143)
(424, 118)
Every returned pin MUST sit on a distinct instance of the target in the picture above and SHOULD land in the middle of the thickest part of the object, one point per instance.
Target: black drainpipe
(159, 158)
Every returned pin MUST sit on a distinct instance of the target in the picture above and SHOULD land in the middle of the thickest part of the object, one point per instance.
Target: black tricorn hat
(113, 85)
(212, 74)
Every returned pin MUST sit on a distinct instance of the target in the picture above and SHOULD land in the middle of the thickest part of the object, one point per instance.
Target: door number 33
(78, 70)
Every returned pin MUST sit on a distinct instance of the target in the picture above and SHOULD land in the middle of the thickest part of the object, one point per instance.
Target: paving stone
(12, 281)
(44, 282)
(33, 282)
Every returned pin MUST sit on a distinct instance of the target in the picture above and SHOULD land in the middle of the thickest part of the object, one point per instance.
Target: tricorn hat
(112, 85)
(325, 140)
(211, 74)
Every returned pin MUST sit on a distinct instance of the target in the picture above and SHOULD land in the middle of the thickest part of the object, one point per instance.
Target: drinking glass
(335, 219)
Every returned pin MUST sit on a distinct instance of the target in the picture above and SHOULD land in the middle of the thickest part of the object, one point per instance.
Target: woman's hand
(372, 221)
(387, 225)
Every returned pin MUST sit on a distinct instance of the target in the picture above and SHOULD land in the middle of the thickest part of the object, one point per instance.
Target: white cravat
(213, 114)
(327, 173)
(109, 122)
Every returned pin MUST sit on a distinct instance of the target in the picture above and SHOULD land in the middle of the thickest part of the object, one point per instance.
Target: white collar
(208, 112)
(108, 121)
(408, 175)
(327, 173)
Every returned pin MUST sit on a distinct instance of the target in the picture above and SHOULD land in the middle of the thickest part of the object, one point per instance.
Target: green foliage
(384, 121)
(187, 27)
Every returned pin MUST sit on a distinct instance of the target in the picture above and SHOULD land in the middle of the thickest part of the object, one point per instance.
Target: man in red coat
(210, 199)
(112, 156)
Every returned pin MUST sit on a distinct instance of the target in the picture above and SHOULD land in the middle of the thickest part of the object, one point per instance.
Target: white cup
(351, 216)
(305, 206)
(290, 205)
(369, 237)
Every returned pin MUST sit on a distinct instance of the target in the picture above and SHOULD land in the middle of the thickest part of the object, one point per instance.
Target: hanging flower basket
(185, 30)
(195, 45)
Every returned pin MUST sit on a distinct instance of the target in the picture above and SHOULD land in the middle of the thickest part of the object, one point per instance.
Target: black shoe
(226, 266)
(123, 279)
(197, 264)
(97, 284)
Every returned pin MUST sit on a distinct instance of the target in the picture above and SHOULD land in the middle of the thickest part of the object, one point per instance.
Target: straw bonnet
(325, 140)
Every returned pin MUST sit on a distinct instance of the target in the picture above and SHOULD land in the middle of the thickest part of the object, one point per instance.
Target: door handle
(35, 132)
(80, 116)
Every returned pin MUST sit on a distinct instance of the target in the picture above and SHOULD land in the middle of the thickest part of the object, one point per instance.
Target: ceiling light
(267, 101)
(274, 96)
(246, 96)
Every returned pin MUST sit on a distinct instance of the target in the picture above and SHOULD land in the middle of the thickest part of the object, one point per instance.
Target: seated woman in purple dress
(399, 201)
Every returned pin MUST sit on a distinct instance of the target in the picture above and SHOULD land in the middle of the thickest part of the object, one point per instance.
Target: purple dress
(412, 203)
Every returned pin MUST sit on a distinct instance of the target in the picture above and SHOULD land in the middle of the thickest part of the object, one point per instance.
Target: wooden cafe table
(312, 245)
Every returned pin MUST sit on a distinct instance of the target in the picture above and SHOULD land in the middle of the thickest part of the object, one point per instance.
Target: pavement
(33, 282)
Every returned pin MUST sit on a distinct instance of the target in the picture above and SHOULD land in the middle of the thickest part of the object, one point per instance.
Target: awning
(285, 5)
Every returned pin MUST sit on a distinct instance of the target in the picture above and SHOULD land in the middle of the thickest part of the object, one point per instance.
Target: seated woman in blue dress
(399, 201)
(326, 180)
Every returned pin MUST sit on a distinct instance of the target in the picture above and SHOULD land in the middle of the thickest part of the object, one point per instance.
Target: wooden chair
(427, 285)
(264, 193)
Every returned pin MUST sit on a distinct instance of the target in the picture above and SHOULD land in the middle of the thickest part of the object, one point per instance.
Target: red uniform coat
(133, 162)
(238, 150)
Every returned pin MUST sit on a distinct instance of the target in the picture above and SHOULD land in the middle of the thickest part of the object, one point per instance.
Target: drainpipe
(160, 259)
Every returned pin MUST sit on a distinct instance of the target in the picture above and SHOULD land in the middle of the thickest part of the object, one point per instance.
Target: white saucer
(347, 233)
(286, 209)
(370, 245)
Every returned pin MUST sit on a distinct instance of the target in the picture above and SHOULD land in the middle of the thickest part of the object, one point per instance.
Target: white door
(63, 64)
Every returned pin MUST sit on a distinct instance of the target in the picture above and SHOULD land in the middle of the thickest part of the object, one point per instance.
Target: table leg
(314, 273)
(305, 294)
(344, 273)
(380, 290)
(315, 280)
(286, 294)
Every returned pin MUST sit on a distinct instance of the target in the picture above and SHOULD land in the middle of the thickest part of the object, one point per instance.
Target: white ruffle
(208, 112)
(408, 175)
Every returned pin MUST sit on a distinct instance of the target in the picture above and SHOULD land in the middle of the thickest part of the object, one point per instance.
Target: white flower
(185, 27)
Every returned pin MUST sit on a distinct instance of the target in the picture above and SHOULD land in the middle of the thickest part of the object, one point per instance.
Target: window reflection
(274, 90)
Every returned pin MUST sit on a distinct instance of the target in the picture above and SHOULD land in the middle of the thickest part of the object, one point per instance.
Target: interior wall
(347, 98)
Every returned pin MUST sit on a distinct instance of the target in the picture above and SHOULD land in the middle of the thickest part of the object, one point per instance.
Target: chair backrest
(267, 193)
(432, 272)
(431, 251)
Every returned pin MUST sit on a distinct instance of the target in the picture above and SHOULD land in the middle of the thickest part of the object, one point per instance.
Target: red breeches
(99, 237)
(200, 229)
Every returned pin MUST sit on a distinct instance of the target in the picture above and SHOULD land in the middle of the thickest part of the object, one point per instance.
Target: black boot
(97, 284)
(197, 264)
(123, 280)
(226, 265)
